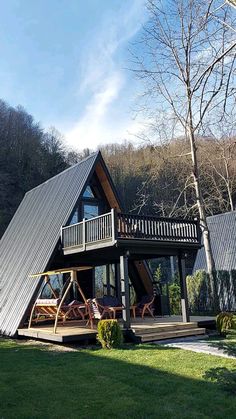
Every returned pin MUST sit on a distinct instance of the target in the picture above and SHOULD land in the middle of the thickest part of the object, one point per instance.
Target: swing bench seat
(46, 309)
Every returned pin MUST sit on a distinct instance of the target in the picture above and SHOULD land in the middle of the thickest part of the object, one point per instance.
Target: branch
(211, 66)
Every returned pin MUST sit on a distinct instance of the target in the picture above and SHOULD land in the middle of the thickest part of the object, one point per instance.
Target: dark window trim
(101, 200)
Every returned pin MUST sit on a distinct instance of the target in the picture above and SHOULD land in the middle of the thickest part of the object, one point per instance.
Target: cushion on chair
(100, 301)
(48, 301)
(110, 301)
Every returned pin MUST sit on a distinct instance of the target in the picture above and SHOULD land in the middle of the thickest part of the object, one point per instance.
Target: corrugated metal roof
(223, 240)
(32, 236)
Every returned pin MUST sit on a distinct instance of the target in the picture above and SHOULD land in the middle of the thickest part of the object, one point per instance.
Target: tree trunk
(203, 222)
(228, 186)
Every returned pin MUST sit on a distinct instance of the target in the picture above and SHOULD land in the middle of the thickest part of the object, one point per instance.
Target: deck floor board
(75, 331)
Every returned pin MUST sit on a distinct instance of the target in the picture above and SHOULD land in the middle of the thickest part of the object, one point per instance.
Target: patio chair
(109, 305)
(94, 313)
(145, 306)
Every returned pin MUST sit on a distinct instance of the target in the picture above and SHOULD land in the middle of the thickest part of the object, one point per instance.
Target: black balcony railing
(107, 228)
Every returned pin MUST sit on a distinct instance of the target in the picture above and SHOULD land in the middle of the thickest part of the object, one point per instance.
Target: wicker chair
(108, 305)
(145, 306)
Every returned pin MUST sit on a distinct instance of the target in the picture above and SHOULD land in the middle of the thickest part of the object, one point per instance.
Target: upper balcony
(117, 228)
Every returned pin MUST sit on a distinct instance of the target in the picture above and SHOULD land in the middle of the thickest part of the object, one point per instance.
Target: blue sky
(65, 62)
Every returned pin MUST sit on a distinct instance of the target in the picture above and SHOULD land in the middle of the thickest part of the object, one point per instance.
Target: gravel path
(207, 346)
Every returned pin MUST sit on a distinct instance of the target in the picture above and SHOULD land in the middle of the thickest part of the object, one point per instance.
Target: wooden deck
(145, 330)
(149, 330)
(71, 332)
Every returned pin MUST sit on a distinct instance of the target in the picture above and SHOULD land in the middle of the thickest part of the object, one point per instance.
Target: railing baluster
(155, 228)
(187, 230)
(161, 233)
(167, 229)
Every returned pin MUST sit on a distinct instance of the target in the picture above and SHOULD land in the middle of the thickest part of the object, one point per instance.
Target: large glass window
(88, 193)
(112, 278)
(74, 218)
(105, 281)
(100, 281)
(56, 282)
(90, 210)
(91, 204)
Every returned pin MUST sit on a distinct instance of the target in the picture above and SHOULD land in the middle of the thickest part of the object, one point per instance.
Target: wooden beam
(183, 289)
(104, 181)
(124, 278)
(62, 271)
(61, 303)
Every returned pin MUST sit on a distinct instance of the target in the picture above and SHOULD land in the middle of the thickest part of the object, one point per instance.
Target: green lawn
(227, 345)
(135, 382)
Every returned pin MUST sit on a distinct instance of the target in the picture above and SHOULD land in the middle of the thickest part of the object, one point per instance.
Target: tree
(221, 172)
(28, 157)
(187, 65)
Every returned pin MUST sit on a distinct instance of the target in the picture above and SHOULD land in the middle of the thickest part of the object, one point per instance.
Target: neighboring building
(76, 219)
(223, 241)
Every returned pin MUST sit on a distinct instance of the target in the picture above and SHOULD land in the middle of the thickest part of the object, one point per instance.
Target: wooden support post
(84, 234)
(61, 235)
(46, 281)
(61, 304)
(183, 289)
(113, 224)
(124, 278)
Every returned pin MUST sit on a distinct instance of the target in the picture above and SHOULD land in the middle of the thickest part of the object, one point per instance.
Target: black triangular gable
(30, 240)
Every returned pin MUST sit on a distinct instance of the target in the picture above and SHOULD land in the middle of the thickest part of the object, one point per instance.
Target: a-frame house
(76, 219)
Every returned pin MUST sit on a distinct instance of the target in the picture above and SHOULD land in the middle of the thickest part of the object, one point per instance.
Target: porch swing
(56, 308)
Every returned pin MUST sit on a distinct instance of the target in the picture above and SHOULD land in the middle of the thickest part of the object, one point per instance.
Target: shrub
(174, 294)
(109, 334)
(199, 292)
(225, 321)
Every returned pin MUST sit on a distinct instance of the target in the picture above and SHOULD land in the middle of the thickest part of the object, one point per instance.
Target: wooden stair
(167, 331)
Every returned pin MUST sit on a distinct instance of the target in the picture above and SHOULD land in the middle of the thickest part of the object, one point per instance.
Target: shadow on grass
(143, 381)
(97, 348)
(228, 346)
(224, 377)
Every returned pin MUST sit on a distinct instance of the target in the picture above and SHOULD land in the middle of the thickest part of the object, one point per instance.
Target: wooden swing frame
(72, 280)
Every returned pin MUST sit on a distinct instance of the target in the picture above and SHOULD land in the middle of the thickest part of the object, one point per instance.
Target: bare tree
(187, 64)
(222, 171)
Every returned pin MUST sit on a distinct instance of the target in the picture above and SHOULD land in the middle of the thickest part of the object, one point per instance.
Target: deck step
(150, 337)
(163, 328)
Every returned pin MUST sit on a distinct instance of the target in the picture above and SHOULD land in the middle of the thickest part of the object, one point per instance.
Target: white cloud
(103, 80)
(91, 127)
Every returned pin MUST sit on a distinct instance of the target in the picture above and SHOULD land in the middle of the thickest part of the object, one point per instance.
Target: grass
(145, 381)
(227, 345)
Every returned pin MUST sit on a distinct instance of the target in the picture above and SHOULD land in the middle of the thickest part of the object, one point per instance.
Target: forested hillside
(151, 179)
(157, 179)
(28, 156)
